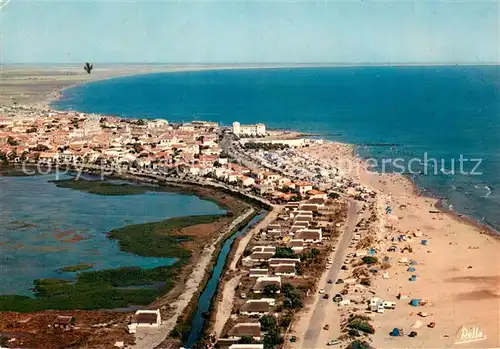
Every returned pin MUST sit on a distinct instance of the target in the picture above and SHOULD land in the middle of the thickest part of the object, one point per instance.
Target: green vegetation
(155, 239)
(359, 345)
(333, 195)
(267, 322)
(272, 338)
(77, 267)
(246, 340)
(360, 323)
(95, 290)
(293, 297)
(101, 187)
(270, 290)
(284, 252)
(369, 260)
(109, 289)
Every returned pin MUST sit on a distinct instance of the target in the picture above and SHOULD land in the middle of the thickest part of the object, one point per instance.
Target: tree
(284, 252)
(246, 340)
(140, 122)
(333, 195)
(359, 345)
(369, 260)
(12, 142)
(270, 290)
(267, 322)
(272, 338)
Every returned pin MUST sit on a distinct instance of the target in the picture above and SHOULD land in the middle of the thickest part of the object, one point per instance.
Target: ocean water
(40, 222)
(416, 112)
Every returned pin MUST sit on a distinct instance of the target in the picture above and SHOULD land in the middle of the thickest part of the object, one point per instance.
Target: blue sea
(433, 112)
(40, 222)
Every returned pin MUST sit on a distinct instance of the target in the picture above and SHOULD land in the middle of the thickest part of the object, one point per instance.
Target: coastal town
(340, 259)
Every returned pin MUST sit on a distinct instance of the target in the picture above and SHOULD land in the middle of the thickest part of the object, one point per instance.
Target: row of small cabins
(299, 236)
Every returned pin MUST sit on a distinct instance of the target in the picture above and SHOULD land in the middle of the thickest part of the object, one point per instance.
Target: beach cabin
(403, 295)
(145, 318)
(248, 329)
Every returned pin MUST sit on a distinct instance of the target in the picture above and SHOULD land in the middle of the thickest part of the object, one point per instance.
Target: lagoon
(45, 228)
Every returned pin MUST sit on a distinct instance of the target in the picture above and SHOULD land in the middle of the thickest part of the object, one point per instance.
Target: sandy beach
(458, 271)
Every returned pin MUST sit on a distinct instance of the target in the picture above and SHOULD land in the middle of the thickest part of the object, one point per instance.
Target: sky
(237, 31)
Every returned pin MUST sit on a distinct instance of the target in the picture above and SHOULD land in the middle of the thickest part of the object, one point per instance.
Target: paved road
(317, 320)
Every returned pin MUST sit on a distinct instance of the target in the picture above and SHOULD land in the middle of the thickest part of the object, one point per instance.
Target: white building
(145, 319)
(249, 130)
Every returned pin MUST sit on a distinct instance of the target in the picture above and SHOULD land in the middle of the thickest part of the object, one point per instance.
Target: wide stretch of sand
(458, 271)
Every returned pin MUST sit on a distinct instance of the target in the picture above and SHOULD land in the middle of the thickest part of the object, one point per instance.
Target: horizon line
(326, 64)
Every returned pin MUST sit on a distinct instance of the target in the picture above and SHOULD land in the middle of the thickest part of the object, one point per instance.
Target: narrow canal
(208, 293)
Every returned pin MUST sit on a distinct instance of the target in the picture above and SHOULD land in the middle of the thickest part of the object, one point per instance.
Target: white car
(327, 266)
(321, 291)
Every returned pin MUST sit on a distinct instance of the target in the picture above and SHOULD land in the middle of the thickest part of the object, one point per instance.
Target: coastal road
(317, 319)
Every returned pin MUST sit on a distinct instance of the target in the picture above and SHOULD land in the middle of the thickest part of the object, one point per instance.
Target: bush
(270, 290)
(369, 260)
(359, 345)
(267, 322)
(353, 333)
(361, 325)
(284, 252)
(366, 282)
(272, 339)
(246, 340)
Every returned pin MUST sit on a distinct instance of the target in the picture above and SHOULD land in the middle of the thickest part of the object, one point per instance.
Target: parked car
(326, 327)
(344, 267)
(293, 339)
(333, 342)
(339, 281)
(330, 281)
(326, 296)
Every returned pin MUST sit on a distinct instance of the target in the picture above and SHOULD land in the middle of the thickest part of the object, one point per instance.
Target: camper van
(389, 305)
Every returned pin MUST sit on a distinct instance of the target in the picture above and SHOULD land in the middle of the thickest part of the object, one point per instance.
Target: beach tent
(413, 262)
(424, 242)
(415, 302)
(410, 269)
(372, 252)
(395, 332)
(413, 278)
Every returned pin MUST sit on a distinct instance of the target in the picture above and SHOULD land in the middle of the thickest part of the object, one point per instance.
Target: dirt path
(225, 306)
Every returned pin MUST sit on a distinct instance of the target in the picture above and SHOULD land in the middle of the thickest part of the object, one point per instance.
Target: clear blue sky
(352, 31)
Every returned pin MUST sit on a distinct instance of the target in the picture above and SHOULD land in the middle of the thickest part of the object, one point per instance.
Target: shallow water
(441, 111)
(44, 228)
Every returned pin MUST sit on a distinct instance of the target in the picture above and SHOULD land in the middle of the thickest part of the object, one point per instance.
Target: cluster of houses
(55, 136)
(298, 229)
(320, 173)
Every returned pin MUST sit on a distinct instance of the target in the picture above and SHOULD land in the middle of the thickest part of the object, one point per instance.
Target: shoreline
(457, 267)
(288, 133)
(427, 193)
